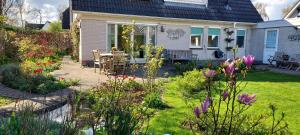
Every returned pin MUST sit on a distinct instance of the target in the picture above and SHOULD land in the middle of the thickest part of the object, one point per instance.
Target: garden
(231, 97)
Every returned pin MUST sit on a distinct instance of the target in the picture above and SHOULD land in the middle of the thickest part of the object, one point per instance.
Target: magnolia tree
(225, 113)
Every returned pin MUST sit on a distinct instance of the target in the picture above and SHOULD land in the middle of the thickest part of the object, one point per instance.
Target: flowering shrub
(32, 49)
(225, 113)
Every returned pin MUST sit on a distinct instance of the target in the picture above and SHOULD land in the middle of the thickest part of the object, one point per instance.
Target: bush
(180, 68)
(190, 83)
(27, 123)
(33, 77)
(154, 100)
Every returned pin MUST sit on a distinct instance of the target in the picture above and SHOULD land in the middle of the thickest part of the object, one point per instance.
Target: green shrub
(190, 83)
(154, 100)
(41, 83)
(180, 68)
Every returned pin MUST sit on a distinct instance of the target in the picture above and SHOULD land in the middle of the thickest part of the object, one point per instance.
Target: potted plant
(113, 49)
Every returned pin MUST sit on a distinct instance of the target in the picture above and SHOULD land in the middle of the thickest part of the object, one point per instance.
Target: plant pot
(141, 53)
(229, 48)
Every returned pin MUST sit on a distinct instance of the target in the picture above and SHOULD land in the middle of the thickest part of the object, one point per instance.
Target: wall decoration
(175, 34)
(294, 37)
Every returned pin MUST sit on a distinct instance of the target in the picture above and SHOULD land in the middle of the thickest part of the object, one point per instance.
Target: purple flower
(248, 60)
(209, 73)
(205, 105)
(247, 99)
(225, 95)
(229, 70)
(197, 112)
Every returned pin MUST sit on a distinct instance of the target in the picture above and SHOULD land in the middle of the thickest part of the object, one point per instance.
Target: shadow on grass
(268, 76)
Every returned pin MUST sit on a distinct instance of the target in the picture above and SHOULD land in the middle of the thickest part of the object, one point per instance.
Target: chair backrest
(96, 55)
(119, 57)
(279, 55)
(297, 57)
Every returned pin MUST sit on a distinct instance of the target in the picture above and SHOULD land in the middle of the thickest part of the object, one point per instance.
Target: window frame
(201, 40)
(245, 37)
(219, 37)
(116, 24)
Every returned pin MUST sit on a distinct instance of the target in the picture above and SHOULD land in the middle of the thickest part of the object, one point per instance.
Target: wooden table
(110, 55)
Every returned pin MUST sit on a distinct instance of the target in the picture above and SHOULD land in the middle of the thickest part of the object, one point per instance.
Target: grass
(280, 89)
(5, 101)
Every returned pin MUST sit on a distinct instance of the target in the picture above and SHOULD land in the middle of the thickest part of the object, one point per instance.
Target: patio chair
(277, 58)
(294, 62)
(98, 60)
(119, 62)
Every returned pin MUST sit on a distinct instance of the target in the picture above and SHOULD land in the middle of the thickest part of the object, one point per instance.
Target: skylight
(201, 2)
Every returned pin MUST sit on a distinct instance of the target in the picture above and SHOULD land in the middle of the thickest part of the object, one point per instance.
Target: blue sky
(49, 8)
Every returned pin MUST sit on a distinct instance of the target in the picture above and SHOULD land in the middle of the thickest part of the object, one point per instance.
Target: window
(111, 36)
(213, 37)
(196, 37)
(143, 35)
(271, 40)
(240, 38)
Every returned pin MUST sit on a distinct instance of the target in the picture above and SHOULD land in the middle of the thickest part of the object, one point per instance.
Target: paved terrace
(69, 70)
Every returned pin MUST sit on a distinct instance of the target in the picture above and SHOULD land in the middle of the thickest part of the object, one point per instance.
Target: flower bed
(34, 76)
(37, 59)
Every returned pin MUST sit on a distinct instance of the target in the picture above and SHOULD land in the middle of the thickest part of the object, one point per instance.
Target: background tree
(288, 8)
(20, 5)
(37, 13)
(5, 6)
(55, 27)
(261, 8)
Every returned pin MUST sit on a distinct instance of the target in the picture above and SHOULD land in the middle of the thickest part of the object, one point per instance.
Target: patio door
(271, 44)
(142, 36)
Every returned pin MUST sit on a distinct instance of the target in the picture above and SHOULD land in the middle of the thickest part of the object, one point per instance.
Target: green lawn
(280, 89)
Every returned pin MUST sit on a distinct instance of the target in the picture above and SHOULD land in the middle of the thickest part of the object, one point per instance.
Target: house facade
(201, 26)
(279, 35)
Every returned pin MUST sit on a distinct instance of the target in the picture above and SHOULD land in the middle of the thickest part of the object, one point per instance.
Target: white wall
(93, 33)
(93, 36)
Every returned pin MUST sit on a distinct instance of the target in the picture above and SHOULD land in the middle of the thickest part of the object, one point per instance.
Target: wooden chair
(277, 58)
(119, 62)
(98, 60)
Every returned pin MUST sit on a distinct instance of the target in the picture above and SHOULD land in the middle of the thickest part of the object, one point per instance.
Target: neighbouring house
(202, 26)
(35, 26)
(278, 35)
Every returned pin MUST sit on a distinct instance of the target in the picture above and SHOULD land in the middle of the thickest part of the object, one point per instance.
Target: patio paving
(277, 70)
(87, 76)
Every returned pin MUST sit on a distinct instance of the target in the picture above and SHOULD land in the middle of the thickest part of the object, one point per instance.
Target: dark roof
(240, 10)
(34, 26)
(66, 19)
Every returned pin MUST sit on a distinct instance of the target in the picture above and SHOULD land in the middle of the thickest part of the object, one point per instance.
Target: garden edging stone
(41, 103)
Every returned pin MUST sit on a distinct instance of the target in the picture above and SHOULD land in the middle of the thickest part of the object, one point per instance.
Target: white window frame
(202, 38)
(277, 38)
(127, 23)
(219, 41)
(245, 37)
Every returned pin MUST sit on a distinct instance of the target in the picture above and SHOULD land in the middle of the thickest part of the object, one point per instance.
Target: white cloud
(49, 9)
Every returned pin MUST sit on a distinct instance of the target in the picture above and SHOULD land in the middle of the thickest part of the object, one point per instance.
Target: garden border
(41, 103)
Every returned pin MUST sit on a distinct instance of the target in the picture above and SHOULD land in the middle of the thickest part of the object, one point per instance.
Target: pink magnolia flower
(205, 105)
(197, 112)
(209, 73)
(225, 95)
(248, 60)
(230, 69)
(247, 99)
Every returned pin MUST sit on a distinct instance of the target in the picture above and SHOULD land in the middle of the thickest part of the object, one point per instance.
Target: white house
(201, 26)
(279, 35)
